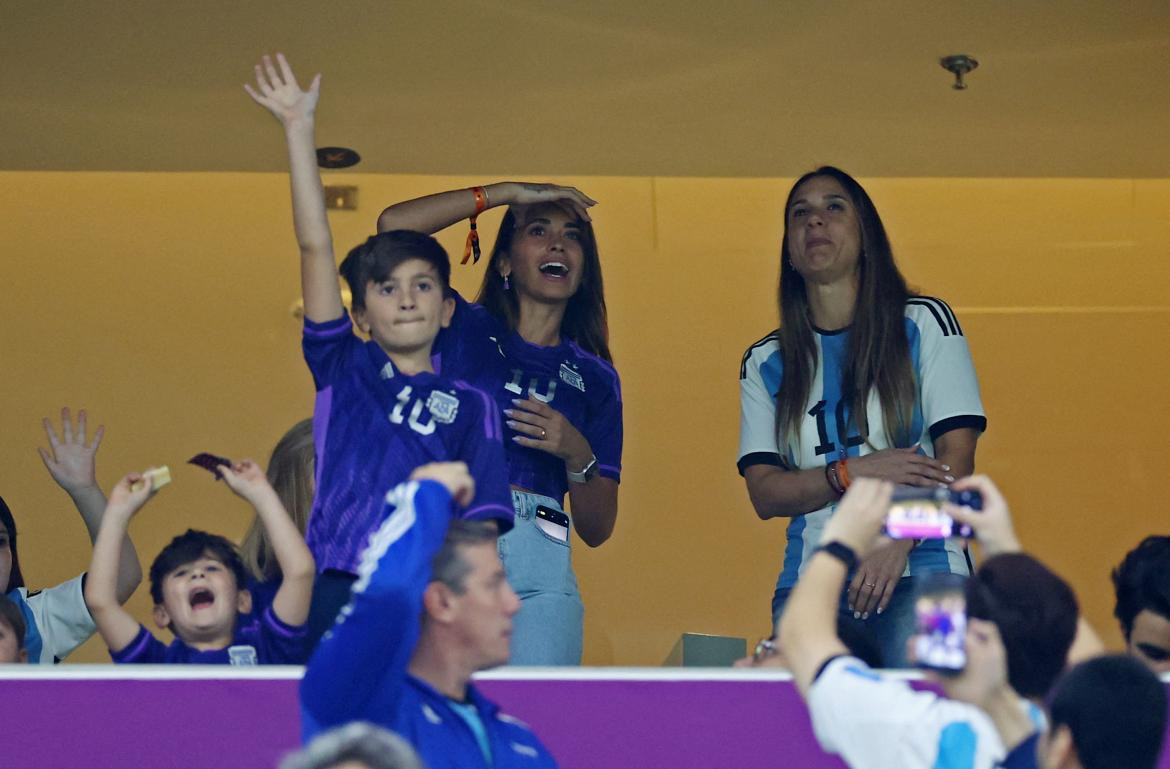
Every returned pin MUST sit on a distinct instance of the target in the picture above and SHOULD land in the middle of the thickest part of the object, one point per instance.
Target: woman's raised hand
(278, 92)
(526, 193)
(904, 466)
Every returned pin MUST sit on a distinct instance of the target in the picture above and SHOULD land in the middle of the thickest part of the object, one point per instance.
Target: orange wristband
(472, 246)
(843, 473)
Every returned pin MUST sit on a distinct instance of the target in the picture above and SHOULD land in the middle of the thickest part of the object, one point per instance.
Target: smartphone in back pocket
(553, 523)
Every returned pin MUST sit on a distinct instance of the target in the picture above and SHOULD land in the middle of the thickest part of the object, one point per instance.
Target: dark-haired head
(374, 260)
(1142, 585)
(188, 548)
(13, 579)
(448, 565)
(1036, 613)
(879, 355)
(585, 320)
(1112, 711)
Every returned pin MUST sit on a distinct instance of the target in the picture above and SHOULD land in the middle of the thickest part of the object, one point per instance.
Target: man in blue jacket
(431, 606)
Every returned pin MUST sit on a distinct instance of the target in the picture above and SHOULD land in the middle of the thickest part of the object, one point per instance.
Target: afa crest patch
(443, 406)
(570, 377)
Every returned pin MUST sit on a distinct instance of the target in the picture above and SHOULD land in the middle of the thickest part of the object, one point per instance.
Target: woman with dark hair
(863, 379)
(537, 340)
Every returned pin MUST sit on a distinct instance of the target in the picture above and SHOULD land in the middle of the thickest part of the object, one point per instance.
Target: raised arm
(432, 213)
(291, 604)
(115, 624)
(808, 629)
(278, 92)
(359, 668)
(71, 461)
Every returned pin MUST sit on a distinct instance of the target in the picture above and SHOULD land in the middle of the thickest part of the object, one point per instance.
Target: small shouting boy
(197, 585)
(381, 411)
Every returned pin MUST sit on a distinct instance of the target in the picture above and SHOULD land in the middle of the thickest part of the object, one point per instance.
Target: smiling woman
(538, 340)
(862, 379)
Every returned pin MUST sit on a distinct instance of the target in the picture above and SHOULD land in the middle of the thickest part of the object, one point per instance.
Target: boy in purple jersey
(380, 409)
(196, 583)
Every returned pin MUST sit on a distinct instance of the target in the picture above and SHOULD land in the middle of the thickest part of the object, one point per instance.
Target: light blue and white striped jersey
(948, 399)
(873, 721)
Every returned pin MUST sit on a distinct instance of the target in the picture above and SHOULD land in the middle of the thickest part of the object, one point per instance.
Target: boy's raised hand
(69, 458)
(278, 92)
(131, 493)
(247, 479)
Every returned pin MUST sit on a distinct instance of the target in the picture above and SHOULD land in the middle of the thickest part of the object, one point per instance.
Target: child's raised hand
(454, 475)
(69, 459)
(131, 493)
(279, 93)
(247, 479)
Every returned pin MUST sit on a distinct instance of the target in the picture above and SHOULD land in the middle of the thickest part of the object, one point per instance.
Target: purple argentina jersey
(585, 388)
(373, 425)
(275, 643)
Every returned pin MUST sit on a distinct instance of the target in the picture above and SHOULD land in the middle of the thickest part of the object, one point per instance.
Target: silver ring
(871, 584)
(542, 433)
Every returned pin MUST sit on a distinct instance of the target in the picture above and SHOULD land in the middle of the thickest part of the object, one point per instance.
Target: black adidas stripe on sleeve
(760, 343)
(942, 313)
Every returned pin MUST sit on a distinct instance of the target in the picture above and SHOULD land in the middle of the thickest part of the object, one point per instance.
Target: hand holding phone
(918, 513)
(992, 523)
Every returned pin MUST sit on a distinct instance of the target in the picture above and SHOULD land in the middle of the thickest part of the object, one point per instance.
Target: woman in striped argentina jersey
(863, 378)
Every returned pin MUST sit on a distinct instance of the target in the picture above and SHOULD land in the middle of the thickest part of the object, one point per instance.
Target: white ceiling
(601, 87)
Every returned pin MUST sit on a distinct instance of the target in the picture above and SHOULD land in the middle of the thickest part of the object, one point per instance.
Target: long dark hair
(15, 578)
(586, 321)
(878, 356)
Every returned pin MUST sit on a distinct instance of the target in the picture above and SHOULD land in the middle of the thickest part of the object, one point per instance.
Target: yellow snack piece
(157, 477)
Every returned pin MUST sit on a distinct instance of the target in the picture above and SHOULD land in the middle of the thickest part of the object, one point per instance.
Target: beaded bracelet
(833, 479)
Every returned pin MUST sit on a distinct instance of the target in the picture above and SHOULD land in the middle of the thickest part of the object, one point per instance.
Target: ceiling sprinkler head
(959, 64)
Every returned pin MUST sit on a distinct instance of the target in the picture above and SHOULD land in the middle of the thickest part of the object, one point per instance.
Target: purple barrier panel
(168, 723)
(615, 718)
(182, 717)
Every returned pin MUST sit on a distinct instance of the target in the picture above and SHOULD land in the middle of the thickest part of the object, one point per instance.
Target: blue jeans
(550, 626)
(888, 631)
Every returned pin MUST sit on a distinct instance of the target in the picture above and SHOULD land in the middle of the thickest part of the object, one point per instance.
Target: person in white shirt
(1022, 620)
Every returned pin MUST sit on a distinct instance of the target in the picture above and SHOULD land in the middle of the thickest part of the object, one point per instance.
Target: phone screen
(941, 629)
(553, 523)
(918, 519)
(916, 513)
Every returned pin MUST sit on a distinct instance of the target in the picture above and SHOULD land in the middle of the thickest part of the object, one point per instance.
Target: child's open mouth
(202, 598)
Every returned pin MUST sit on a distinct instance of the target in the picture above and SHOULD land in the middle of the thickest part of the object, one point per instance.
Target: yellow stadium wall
(161, 302)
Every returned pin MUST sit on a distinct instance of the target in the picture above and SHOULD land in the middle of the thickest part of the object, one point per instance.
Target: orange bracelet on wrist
(843, 473)
(472, 246)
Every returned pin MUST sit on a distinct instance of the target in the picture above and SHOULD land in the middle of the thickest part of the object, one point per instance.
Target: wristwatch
(588, 473)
